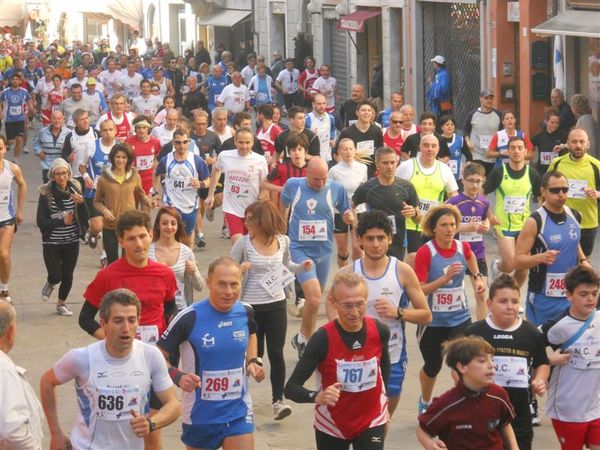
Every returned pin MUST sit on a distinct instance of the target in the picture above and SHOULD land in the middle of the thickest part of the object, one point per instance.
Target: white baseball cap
(439, 59)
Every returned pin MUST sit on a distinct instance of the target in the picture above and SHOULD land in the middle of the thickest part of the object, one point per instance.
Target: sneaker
(299, 307)
(63, 310)
(280, 410)
(5, 296)
(210, 214)
(26, 150)
(47, 291)
(103, 262)
(422, 406)
(495, 270)
(92, 240)
(200, 242)
(536, 421)
(297, 345)
(225, 232)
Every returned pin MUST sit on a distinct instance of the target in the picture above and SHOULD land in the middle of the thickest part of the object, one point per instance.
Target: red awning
(356, 20)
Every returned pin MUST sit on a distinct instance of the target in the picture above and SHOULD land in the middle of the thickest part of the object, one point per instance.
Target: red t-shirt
(465, 419)
(144, 153)
(423, 258)
(394, 143)
(154, 285)
(306, 80)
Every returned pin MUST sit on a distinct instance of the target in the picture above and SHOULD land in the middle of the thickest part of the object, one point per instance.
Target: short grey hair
(78, 114)
(7, 316)
(219, 111)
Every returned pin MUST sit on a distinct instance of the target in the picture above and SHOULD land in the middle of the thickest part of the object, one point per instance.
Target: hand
(19, 217)
(42, 155)
(71, 157)
(479, 286)
(69, 217)
(548, 257)
(210, 201)
(329, 396)
(453, 270)
(190, 267)
(386, 308)
(559, 359)
(484, 226)
(256, 372)
(139, 424)
(591, 193)
(108, 215)
(60, 442)
(88, 182)
(494, 220)
(408, 210)
(437, 445)
(539, 387)
(556, 148)
(245, 266)
(189, 382)
(210, 160)
(195, 183)
(348, 217)
(307, 264)
(77, 198)
(474, 226)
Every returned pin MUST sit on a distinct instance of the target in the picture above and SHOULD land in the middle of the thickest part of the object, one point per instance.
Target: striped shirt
(63, 234)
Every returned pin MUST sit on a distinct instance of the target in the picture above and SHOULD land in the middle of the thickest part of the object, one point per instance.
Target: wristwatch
(400, 314)
(151, 424)
(477, 275)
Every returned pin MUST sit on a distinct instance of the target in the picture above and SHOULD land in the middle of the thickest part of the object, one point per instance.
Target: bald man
(310, 200)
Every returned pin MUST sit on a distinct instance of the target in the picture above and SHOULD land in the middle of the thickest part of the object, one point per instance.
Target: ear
(460, 368)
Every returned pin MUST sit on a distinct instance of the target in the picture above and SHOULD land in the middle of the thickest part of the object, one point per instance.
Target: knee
(4, 255)
(431, 368)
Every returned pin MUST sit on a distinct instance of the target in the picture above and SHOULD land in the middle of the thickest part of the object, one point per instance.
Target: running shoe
(200, 242)
(299, 307)
(103, 262)
(5, 296)
(297, 345)
(26, 150)
(280, 410)
(210, 214)
(47, 291)
(495, 271)
(225, 232)
(63, 310)
(536, 421)
(422, 406)
(92, 240)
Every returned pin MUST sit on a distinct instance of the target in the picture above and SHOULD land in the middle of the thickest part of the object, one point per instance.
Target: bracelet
(400, 313)
(477, 275)
(256, 361)
(583, 259)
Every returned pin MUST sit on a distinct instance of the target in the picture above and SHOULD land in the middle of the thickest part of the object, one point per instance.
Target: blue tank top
(96, 164)
(455, 148)
(448, 304)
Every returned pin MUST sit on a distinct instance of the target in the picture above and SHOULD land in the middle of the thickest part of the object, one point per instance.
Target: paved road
(42, 337)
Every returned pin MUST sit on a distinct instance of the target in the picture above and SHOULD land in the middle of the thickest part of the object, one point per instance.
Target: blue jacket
(439, 91)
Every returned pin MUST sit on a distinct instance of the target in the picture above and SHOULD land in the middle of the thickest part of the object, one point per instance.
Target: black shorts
(588, 237)
(430, 343)
(9, 223)
(481, 266)
(369, 439)
(414, 240)
(92, 211)
(14, 129)
(339, 226)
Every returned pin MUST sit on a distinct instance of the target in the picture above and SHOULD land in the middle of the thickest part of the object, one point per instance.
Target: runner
(515, 183)
(297, 122)
(348, 108)
(145, 149)
(326, 85)
(146, 103)
(218, 344)
(392, 135)
(80, 141)
(519, 353)
(549, 142)
(457, 146)
(243, 170)
(384, 117)
(121, 119)
(11, 215)
(113, 379)
(393, 287)
(268, 131)
(128, 84)
(427, 126)
(49, 142)
(215, 85)
(441, 265)
(475, 413)
(292, 167)
(312, 201)
(548, 246)
(322, 123)
(152, 282)
(350, 357)
(574, 336)
(42, 89)
(583, 174)
(497, 150)
(184, 173)
(164, 132)
(307, 79)
(14, 104)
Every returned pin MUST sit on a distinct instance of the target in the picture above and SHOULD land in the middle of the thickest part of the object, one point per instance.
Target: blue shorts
(541, 309)
(212, 435)
(397, 372)
(189, 221)
(320, 268)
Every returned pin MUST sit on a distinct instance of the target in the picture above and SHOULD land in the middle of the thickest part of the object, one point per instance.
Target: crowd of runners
(381, 216)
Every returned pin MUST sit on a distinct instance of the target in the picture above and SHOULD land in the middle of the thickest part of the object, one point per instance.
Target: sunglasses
(184, 142)
(556, 190)
(396, 122)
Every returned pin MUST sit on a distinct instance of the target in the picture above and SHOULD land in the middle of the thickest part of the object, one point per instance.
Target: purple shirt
(472, 210)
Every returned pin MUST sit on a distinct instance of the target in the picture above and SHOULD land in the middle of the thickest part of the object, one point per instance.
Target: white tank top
(388, 287)
(162, 86)
(178, 190)
(107, 398)
(7, 205)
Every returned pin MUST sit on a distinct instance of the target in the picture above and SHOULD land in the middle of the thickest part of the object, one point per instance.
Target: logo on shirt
(356, 345)
(386, 291)
(239, 335)
(573, 233)
(464, 426)
(225, 324)
(503, 336)
(311, 204)
(208, 341)
(101, 375)
(493, 424)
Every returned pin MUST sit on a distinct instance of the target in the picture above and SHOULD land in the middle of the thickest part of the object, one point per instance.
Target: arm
(18, 177)
(420, 313)
(87, 321)
(510, 440)
(254, 369)
(427, 441)
(477, 279)
(539, 381)
(453, 270)
(167, 414)
(48, 385)
(214, 177)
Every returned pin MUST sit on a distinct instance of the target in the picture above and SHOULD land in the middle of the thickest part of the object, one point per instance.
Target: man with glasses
(351, 356)
(392, 135)
(549, 247)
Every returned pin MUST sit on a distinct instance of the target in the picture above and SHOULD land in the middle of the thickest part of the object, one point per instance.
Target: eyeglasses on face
(350, 306)
(556, 190)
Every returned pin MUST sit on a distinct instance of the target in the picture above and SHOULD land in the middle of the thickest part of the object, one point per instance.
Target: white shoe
(299, 307)
(63, 310)
(280, 410)
(495, 271)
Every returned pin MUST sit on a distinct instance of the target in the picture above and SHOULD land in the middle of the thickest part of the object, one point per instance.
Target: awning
(356, 20)
(12, 13)
(224, 18)
(572, 22)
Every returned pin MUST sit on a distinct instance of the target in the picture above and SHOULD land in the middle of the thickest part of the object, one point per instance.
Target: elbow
(427, 318)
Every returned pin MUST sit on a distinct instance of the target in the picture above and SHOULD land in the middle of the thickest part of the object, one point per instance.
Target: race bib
(362, 208)
(15, 110)
(357, 376)
(220, 385)
(115, 403)
(4, 198)
(448, 300)
(470, 236)
(312, 230)
(179, 183)
(148, 334)
(424, 205)
(392, 220)
(453, 164)
(585, 354)
(262, 97)
(511, 371)
(366, 147)
(277, 279)
(546, 158)
(144, 162)
(514, 204)
(577, 188)
(484, 141)
(555, 285)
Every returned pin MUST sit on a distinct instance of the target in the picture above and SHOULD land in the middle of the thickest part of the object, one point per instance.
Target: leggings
(271, 323)
(60, 261)
(111, 245)
(370, 439)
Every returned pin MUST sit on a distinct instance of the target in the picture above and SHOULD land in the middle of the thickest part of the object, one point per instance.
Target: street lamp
(314, 7)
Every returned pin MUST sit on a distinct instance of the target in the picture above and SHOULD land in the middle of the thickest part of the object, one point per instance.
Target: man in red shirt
(152, 282)
(392, 136)
(145, 147)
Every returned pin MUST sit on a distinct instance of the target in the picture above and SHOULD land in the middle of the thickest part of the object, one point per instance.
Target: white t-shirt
(108, 79)
(351, 176)
(43, 89)
(162, 134)
(227, 134)
(130, 86)
(289, 80)
(326, 86)
(234, 98)
(72, 81)
(146, 106)
(247, 74)
(406, 168)
(243, 175)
